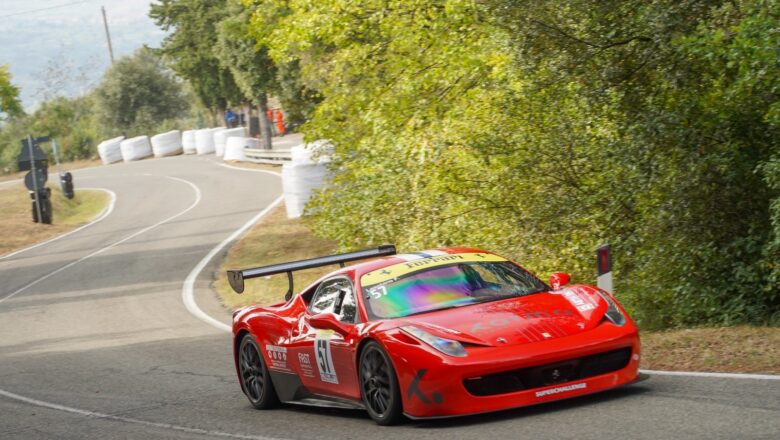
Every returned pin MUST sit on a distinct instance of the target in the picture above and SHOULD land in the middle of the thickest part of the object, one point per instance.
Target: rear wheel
(254, 376)
(379, 386)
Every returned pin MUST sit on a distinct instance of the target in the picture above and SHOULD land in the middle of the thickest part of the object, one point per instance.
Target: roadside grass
(740, 349)
(276, 239)
(16, 215)
(66, 166)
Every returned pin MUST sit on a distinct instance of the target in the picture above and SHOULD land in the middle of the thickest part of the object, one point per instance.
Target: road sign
(29, 154)
(39, 175)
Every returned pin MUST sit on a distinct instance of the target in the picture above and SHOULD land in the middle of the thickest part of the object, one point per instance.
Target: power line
(44, 9)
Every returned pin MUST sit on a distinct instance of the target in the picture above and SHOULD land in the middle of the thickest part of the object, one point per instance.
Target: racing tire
(379, 386)
(254, 376)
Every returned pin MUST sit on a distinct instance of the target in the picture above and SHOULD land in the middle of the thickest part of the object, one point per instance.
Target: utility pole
(108, 35)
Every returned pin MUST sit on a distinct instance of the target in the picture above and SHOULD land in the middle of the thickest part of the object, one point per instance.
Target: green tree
(10, 105)
(137, 94)
(189, 48)
(541, 130)
(253, 70)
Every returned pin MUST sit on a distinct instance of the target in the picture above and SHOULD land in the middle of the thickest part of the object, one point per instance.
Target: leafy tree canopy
(541, 130)
(10, 105)
(137, 93)
(189, 47)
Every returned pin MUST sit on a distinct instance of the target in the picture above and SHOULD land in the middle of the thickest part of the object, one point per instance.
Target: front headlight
(613, 312)
(446, 346)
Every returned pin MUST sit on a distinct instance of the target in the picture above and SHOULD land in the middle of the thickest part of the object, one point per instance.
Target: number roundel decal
(324, 357)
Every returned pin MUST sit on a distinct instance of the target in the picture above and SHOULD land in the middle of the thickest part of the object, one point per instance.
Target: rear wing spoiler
(237, 277)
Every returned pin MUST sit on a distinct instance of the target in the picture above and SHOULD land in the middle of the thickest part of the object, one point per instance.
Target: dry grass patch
(727, 349)
(275, 239)
(16, 215)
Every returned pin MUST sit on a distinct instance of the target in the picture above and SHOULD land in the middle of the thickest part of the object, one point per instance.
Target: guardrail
(275, 157)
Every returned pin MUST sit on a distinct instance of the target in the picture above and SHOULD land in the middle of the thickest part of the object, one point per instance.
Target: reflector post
(604, 267)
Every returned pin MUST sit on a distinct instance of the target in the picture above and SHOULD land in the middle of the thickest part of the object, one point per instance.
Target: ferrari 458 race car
(438, 333)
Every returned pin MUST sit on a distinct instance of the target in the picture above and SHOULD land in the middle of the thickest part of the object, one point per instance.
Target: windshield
(443, 287)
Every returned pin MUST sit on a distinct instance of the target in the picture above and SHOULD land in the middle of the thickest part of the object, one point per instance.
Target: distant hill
(63, 50)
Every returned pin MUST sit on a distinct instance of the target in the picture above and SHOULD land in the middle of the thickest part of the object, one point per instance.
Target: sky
(63, 51)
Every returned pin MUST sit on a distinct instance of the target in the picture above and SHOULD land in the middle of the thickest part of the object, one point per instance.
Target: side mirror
(328, 321)
(559, 279)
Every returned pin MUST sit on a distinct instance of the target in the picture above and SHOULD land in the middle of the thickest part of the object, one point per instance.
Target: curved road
(96, 342)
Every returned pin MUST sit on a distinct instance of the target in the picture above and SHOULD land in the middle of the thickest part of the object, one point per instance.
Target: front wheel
(254, 376)
(379, 386)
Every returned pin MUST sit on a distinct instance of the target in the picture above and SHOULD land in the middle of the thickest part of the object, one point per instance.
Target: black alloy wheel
(379, 386)
(255, 379)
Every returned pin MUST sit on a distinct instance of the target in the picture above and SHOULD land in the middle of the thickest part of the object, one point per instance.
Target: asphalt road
(104, 347)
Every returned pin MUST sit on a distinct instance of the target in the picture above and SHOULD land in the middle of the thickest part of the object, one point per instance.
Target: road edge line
(713, 374)
(254, 170)
(103, 214)
(117, 418)
(188, 288)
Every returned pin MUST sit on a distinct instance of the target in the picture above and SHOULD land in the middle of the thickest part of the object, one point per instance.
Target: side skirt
(289, 389)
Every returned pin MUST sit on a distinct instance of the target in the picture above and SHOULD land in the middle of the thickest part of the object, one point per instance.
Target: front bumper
(432, 384)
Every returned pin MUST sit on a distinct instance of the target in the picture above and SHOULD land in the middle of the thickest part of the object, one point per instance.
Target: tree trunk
(265, 125)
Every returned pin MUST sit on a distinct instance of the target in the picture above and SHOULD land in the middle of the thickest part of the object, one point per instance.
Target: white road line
(117, 243)
(102, 215)
(254, 170)
(188, 288)
(9, 182)
(98, 415)
(718, 375)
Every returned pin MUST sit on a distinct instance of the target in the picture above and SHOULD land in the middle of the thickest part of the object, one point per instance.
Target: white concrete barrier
(110, 150)
(235, 146)
(221, 137)
(166, 144)
(303, 175)
(136, 148)
(204, 140)
(188, 142)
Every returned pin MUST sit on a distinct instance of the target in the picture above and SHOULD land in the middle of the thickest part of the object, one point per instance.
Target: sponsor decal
(561, 389)
(304, 360)
(324, 357)
(414, 390)
(278, 356)
(414, 264)
(577, 301)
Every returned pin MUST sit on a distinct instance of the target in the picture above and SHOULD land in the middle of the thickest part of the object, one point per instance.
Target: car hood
(523, 320)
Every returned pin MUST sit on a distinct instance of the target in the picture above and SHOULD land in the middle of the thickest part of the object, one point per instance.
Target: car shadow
(529, 411)
(496, 416)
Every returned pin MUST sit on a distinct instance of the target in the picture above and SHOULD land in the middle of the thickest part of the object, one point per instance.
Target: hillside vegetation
(542, 129)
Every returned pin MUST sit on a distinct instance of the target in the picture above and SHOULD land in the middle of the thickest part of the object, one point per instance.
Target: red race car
(439, 333)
